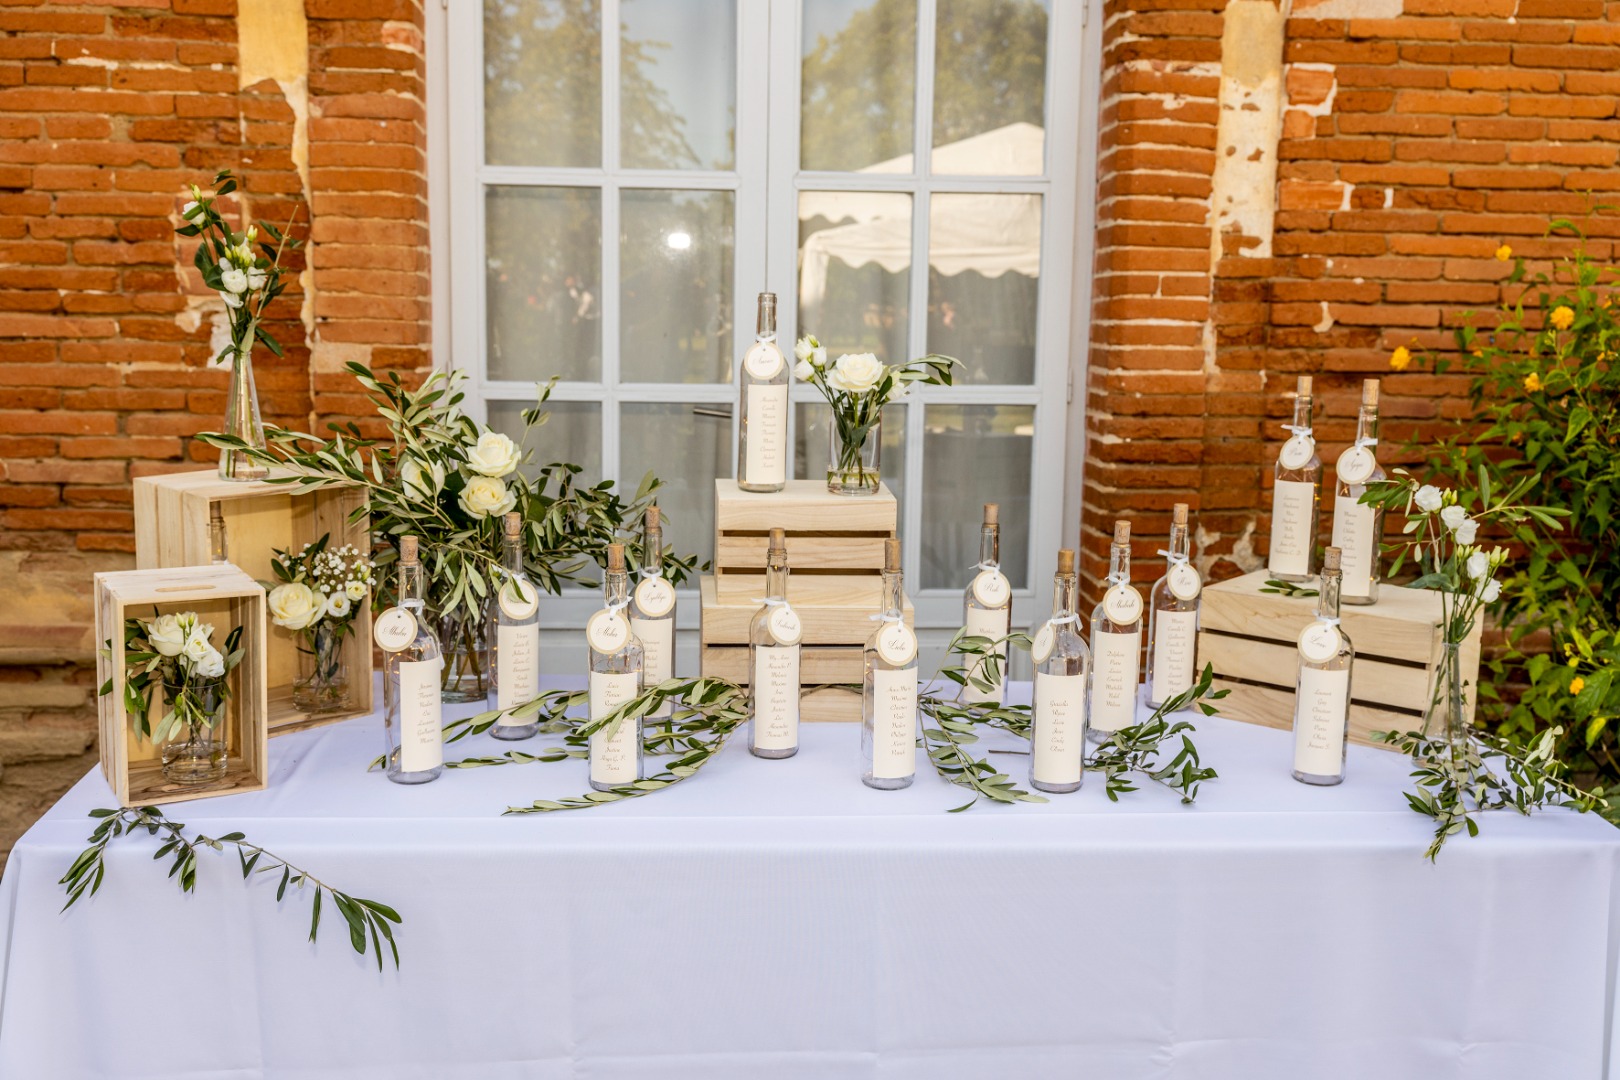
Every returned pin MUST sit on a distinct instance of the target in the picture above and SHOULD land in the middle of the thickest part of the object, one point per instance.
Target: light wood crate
(223, 596)
(835, 536)
(1249, 638)
(171, 529)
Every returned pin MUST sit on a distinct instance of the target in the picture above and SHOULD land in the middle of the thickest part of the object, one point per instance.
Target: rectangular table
(778, 918)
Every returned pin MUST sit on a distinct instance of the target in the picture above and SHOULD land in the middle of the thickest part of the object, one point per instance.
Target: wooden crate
(171, 529)
(223, 596)
(835, 536)
(1249, 638)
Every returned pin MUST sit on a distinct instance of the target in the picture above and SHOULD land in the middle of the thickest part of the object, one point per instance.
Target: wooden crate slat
(804, 505)
(1401, 625)
(817, 664)
(1274, 708)
(745, 554)
(1377, 682)
(833, 611)
(831, 707)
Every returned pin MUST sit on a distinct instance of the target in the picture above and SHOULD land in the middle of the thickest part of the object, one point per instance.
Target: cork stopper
(778, 542)
(652, 518)
(992, 513)
(1303, 387)
(891, 555)
(1178, 514)
(615, 558)
(1066, 561)
(1330, 559)
(407, 551)
(1369, 392)
(1122, 532)
(512, 524)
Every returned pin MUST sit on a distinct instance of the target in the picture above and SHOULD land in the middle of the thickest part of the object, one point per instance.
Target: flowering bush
(175, 654)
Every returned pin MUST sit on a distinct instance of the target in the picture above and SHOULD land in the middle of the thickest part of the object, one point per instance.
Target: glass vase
(242, 421)
(323, 675)
(464, 637)
(852, 467)
(1446, 716)
(196, 755)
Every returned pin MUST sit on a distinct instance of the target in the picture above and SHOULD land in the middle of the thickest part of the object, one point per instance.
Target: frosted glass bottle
(1358, 530)
(1296, 496)
(652, 612)
(413, 662)
(773, 662)
(1057, 726)
(889, 688)
(512, 624)
(1116, 644)
(987, 608)
(1173, 603)
(1322, 690)
(762, 444)
(616, 677)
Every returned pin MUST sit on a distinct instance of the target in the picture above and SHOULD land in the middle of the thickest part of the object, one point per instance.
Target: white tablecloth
(779, 919)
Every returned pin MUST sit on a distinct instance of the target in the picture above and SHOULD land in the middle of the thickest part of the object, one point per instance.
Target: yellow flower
(1562, 317)
(1400, 359)
(1504, 253)
(1577, 684)
(1532, 383)
(1480, 353)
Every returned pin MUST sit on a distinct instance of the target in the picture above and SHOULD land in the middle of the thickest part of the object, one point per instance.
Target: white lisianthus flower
(354, 590)
(485, 496)
(424, 481)
(802, 370)
(294, 606)
(1428, 498)
(211, 665)
(900, 392)
(1493, 589)
(231, 299)
(257, 278)
(234, 280)
(493, 455)
(189, 209)
(166, 634)
(338, 605)
(197, 644)
(1466, 531)
(856, 373)
(806, 347)
(1479, 564)
(1453, 516)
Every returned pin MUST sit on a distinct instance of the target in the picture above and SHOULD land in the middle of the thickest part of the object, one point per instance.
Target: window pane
(990, 87)
(984, 260)
(858, 85)
(812, 450)
(675, 263)
(573, 433)
(543, 268)
(686, 446)
(677, 84)
(855, 271)
(543, 83)
(974, 454)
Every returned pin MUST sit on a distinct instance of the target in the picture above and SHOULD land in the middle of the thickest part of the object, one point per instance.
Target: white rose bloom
(197, 645)
(422, 481)
(1466, 531)
(211, 665)
(485, 496)
(354, 590)
(856, 373)
(803, 370)
(1427, 498)
(494, 455)
(294, 606)
(167, 635)
(1479, 564)
(338, 605)
(1453, 516)
(234, 280)
(1493, 589)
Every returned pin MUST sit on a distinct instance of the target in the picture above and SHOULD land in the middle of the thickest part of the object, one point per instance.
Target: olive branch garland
(368, 920)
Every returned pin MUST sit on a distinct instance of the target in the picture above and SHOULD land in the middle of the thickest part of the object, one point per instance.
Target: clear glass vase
(243, 421)
(465, 639)
(1446, 716)
(852, 467)
(196, 755)
(323, 675)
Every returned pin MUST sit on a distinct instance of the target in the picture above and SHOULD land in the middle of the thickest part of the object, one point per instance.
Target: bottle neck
(652, 552)
(616, 588)
(512, 553)
(990, 545)
(1119, 563)
(1302, 412)
(1065, 593)
(1367, 424)
(1327, 600)
(894, 591)
(1179, 544)
(218, 546)
(410, 586)
(776, 577)
(767, 323)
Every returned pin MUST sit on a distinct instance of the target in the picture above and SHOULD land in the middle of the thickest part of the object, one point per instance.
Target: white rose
(803, 370)
(494, 455)
(294, 606)
(167, 635)
(856, 373)
(485, 496)
(338, 605)
(1479, 564)
(355, 590)
(1453, 516)
(197, 645)
(1493, 589)
(1466, 531)
(422, 481)
(234, 280)
(1427, 498)
(211, 665)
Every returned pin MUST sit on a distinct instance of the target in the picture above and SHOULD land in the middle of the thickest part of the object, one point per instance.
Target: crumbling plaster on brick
(1244, 187)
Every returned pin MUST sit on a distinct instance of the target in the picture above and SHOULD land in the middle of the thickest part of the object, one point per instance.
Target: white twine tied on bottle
(1297, 429)
(1176, 559)
(771, 601)
(1366, 440)
(616, 606)
(1328, 620)
(651, 572)
(985, 566)
(1066, 617)
(888, 616)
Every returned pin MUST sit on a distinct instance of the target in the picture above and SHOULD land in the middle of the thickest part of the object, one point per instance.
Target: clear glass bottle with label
(762, 443)
(773, 662)
(219, 545)
(1116, 645)
(1057, 724)
(616, 677)
(1296, 496)
(889, 688)
(413, 719)
(1322, 691)
(512, 625)
(1173, 602)
(987, 607)
(652, 612)
(1358, 530)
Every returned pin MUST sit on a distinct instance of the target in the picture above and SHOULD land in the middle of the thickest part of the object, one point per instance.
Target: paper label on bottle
(1058, 736)
(896, 643)
(1353, 536)
(614, 760)
(1291, 535)
(784, 625)
(1319, 642)
(657, 637)
(991, 588)
(1122, 604)
(894, 723)
(1184, 582)
(1045, 641)
(421, 719)
(1114, 679)
(517, 669)
(766, 408)
(519, 599)
(607, 631)
(655, 597)
(763, 359)
(992, 624)
(1175, 645)
(1297, 452)
(775, 692)
(394, 629)
(1356, 465)
(1321, 710)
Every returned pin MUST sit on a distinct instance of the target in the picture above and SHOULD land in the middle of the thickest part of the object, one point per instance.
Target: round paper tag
(896, 643)
(991, 588)
(1122, 604)
(655, 597)
(1045, 642)
(394, 629)
(1297, 452)
(607, 631)
(1356, 465)
(1185, 583)
(519, 599)
(783, 623)
(1319, 642)
(763, 360)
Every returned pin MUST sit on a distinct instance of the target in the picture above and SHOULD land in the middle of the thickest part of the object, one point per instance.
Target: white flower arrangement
(175, 655)
(318, 584)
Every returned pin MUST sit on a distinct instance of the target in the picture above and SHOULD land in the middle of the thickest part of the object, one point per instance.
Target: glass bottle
(219, 544)
(1116, 644)
(1358, 530)
(762, 432)
(1296, 495)
(1172, 653)
(1057, 722)
(773, 662)
(889, 688)
(413, 721)
(512, 626)
(652, 612)
(987, 608)
(616, 677)
(1322, 692)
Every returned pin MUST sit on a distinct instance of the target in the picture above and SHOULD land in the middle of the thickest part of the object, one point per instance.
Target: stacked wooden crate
(835, 583)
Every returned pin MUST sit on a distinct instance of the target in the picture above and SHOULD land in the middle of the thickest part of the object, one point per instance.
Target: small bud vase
(242, 421)
(1446, 715)
(323, 683)
(852, 466)
(196, 754)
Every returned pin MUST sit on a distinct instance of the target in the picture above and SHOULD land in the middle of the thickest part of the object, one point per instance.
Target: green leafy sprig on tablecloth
(368, 920)
(955, 722)
(1286, 588)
